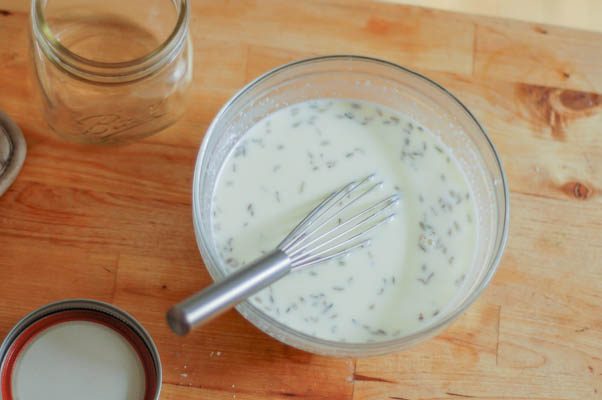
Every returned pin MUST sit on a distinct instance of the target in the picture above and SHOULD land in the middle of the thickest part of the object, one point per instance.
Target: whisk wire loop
(324, 234)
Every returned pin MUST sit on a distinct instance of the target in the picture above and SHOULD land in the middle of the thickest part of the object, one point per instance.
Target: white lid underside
(78, 360)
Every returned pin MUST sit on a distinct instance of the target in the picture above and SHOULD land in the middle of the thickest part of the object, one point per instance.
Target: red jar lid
(79, 349)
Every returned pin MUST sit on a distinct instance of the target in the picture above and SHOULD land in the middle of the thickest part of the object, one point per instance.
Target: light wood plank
(539, 55)
(33, 274)
(580, 14)
(97, 221)
(407, 35)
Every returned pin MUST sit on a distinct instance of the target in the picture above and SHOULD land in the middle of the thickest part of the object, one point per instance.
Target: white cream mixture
(416, 264)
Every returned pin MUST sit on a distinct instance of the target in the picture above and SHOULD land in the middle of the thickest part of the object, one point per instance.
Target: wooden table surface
(114, 224)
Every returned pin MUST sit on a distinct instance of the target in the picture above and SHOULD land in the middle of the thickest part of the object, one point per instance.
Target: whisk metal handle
(221, 296)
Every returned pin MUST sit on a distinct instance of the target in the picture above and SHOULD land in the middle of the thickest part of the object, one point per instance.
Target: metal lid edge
(85, 304)
(17, 157)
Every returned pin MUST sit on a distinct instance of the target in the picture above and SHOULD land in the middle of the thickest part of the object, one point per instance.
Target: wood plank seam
(497, 344)
(353, 379)
(190, 385)
(115, 277)
(474, 47)
(576, 195)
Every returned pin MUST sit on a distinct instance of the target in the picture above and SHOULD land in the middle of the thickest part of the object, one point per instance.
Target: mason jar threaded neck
(108, 72)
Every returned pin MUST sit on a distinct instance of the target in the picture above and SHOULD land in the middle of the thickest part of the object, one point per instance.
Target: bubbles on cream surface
(416, 264)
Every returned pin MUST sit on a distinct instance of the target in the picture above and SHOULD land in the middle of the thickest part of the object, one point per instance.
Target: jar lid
(12, 151)
(79, 349)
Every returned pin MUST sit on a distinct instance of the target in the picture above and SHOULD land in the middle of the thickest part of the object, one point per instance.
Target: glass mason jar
(111, 71)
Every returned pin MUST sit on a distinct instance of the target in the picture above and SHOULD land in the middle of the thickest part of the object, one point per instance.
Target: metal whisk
(325, 233)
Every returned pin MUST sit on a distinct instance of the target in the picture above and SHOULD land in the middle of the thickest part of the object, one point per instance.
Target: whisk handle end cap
(176, 319)
(223, 295)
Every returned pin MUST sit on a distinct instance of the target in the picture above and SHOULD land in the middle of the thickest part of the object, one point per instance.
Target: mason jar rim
(108, 72)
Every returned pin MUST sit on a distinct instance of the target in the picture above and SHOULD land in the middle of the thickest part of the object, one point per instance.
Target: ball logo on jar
(105, 125)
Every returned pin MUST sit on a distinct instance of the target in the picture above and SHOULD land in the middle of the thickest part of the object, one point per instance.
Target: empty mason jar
(111, 71)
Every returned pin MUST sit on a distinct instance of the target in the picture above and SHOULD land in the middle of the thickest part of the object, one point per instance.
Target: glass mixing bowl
(380, 82)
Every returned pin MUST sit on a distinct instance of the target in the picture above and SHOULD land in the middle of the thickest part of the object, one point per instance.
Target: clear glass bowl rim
(311, 343)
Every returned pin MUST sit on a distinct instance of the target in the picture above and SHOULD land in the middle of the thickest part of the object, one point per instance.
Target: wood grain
(533, 54)
(115, 223)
